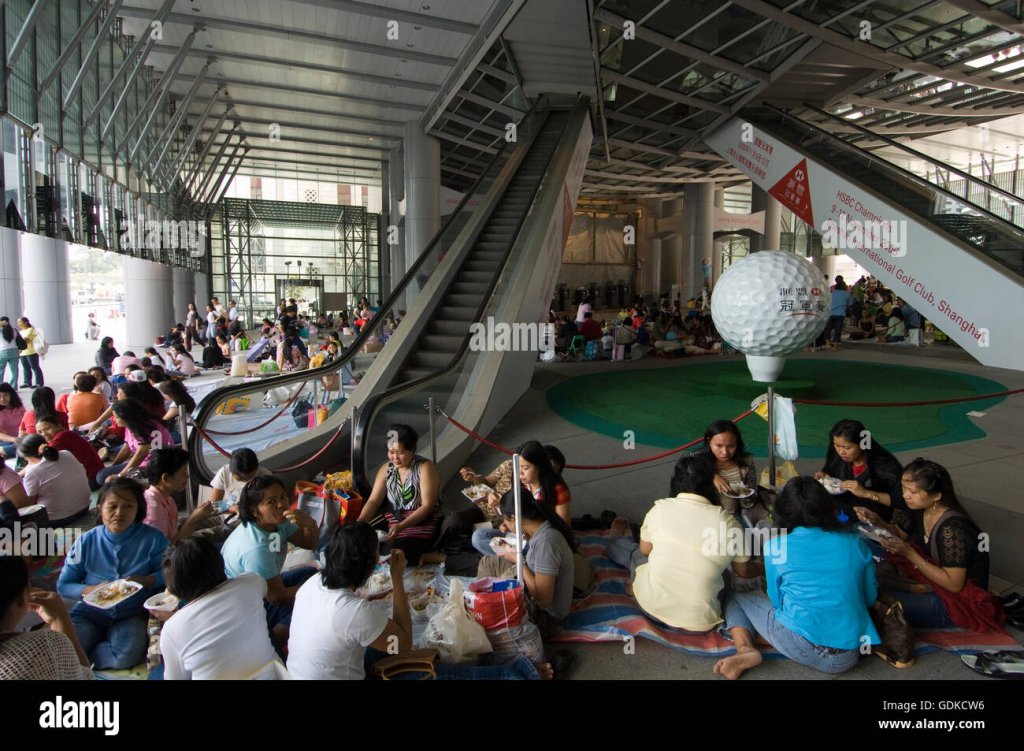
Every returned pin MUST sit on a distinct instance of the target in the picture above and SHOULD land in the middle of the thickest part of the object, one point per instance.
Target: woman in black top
(106, 353)
(870, 474)
(944, 545)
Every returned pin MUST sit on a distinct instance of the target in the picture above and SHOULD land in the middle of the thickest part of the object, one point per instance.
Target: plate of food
(162, 606)
(874, 532)
(378, 585)
(832, 484)
(112, 594)
(739, 491)
(506, 542)
(476, 492)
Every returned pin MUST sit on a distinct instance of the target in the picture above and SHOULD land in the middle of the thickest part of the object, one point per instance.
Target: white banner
(976, 304)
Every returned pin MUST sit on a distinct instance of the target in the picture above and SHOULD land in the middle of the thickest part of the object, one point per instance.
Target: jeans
(481, 540)
(211, 332)
(113, 469)
(9, 358)
(924, 610)
(626, 553)
(30, 365)
(8, 450)
(755, 612)
(835, 328)
(282, 614)
(519, 669)
(110, 644)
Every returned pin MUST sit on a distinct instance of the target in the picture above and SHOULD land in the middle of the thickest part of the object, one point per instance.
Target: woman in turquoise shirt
(821, 583)
(121, 548)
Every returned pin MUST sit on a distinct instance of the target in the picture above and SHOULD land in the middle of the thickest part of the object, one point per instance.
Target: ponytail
(33, 445)
(49, 453)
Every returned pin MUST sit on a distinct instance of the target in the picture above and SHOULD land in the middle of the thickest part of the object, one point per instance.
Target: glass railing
(258, 412)
(447, 389)
(988, 232)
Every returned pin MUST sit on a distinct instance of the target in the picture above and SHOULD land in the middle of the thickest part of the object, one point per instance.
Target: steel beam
(216, 183)
(167, 134)
(216, 162)
(156, 98)
(90, 56)
(206, 150)
(71, 48)
(191, 139)
(26, 31)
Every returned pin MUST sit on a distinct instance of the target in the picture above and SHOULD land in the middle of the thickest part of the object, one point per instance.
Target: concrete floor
(985, 472)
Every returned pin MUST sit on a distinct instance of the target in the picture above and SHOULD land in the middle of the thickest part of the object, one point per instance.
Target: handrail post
(433, 432)
(517, 487)
(190, 505)
(771, 438)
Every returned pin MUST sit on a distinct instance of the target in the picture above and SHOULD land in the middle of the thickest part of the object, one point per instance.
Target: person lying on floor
(336, 635)
(260, 545)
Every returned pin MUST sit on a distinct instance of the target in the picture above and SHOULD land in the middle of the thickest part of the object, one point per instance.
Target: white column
(149, 305)
(184, 293)
(10, 274)
(46, 284)
(700, 209)
(762, 200)
(422, 195)
(202, 293)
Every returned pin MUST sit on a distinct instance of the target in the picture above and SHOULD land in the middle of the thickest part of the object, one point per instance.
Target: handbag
(300, 413)
(416, 661)
(897, 647)
(19, 342)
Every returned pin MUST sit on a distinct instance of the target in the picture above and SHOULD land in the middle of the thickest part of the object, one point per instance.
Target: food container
(112, 594)
(162, 606)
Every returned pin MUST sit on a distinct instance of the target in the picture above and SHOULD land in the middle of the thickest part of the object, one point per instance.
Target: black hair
(404, 435)
(537, 511)
(243, 462)
(726, 426)
(192, 567)
(840, 284)
(129, 353)
(136, 417)
(155, 374)
(130, 487)
(934, 478)
(99, 380)
(44, 402)
(8, 330)
(165, 461)
(6, 388)
(535, 454)
(252, 494)
(351, 556)
(180, 349)
(85, 382)
(29, 445)
(13, 581)
(177, 393)
(107, 342)
(145, 394)
(556, 457)
(855, 432)
(804, 502)
(694, 474)
(151, 351)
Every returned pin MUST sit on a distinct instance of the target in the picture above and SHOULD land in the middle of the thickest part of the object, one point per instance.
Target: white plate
(739, 494)
(163, 602)
(378, 585)
(872, 532)
(97, 598)
(829, 486)
(476, 492)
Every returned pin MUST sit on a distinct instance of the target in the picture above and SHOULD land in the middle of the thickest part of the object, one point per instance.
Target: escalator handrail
(218, 396)
(937, 163)
(885, 164)
(369, 408)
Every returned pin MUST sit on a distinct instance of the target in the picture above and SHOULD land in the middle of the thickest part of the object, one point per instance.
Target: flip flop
(1006, 664)
(561, 661)
(890, 659)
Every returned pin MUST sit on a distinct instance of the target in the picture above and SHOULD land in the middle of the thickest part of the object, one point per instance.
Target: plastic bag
(783, 473)
(496, 607)
(454, 633)
(786, 447)
(522, 640)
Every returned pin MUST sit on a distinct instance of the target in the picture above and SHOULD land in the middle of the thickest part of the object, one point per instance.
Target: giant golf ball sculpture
(768, 305)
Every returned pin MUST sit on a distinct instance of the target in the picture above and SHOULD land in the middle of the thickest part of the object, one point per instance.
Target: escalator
(960, 256)
(466, 268)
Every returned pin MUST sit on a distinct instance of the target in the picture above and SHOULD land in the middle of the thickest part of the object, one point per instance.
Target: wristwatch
(875, 497)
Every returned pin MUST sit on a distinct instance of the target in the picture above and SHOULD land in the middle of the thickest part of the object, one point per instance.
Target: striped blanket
(609, 614)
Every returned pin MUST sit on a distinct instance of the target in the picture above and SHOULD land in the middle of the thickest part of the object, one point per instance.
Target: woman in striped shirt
(407, 488)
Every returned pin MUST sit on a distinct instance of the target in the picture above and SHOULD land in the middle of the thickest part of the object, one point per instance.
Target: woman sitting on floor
(730, 463)
(260, 545)
(142, 433)
(46, 654)
(870, 475)
(54, 479)
(167, 472)
(122, 547)
(220, 630)
(943, 552)
(685, 545)
(821, 583)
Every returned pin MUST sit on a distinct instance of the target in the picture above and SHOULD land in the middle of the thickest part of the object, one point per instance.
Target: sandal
(1005, 664)
(890, 659)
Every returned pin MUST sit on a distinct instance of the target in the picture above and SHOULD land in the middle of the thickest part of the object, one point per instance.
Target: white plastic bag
(454, 633)
(786, 447)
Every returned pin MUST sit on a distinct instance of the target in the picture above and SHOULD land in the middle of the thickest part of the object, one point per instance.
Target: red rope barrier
(911, 404)
(473, 434)
(224, 452)
(265, 424)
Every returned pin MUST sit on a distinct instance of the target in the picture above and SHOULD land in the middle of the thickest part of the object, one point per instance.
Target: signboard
(959, 292)
(726, 222)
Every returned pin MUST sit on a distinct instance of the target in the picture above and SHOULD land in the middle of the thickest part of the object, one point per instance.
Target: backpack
(19, 342)
(40, 344)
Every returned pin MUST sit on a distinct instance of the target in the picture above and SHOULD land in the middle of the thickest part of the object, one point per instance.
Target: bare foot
(733, 667)
(547, 673)
(620, 528)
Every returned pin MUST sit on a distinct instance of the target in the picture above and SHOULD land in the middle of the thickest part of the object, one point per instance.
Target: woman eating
(732, 466)
(407, 488)
(220, 630)
(12, 411)
(121, 548)
(55, 480)
(942, 552)
(676, 576)
(46, 654)
(869, 474)
(821, 583)
(167, 473)
(260, 545)
(142, 432)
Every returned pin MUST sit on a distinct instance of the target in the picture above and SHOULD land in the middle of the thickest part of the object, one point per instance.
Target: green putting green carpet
(667, 407)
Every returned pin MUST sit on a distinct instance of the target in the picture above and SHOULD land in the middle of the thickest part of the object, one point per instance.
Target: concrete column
(700, 209)
(761, 200)
(422, 195)
(672, 260)
(384, 262)
(10, 274)
(202, 293)
(149, 305)
(184, 293)
(46, 284)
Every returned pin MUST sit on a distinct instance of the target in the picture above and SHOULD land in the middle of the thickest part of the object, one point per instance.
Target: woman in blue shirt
(821, 583)
(122, 548)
